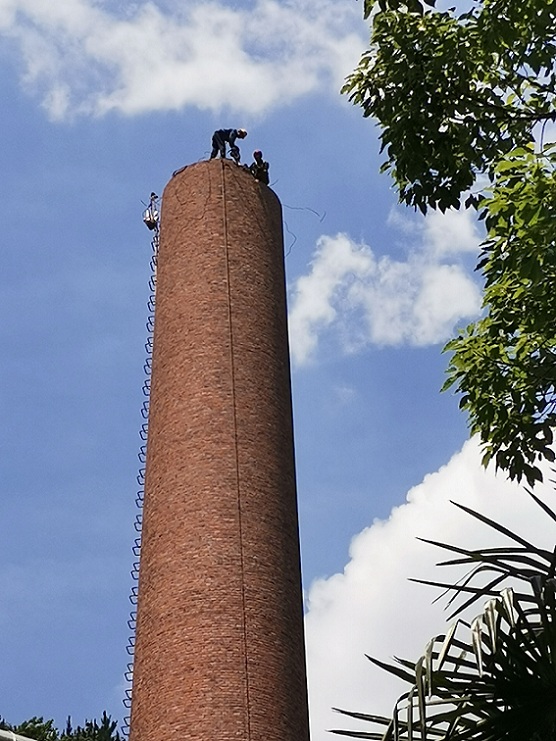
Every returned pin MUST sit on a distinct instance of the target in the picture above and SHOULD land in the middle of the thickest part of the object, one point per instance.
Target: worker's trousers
(219, 147)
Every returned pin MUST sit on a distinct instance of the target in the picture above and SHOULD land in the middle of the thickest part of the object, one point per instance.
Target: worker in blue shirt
(223, 136)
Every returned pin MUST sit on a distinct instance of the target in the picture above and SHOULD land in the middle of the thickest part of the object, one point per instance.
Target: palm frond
(491, 679)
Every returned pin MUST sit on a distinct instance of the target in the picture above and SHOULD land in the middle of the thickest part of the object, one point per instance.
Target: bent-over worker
(221, 137)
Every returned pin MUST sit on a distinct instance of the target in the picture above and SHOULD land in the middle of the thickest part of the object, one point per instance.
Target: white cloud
(372, 608)
(337, 261)
(451, 232)
(82, 58)
(345, 394)
(370, 300)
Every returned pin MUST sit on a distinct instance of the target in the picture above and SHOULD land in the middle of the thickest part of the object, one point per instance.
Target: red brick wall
(219, 647)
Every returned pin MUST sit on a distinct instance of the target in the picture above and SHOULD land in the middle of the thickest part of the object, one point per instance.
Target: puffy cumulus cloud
(372, 608)
(83, 58)
(383, 301)
(337, 262)
(446, 233)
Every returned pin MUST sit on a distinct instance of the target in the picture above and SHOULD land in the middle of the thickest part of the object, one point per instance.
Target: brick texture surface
(219, 645)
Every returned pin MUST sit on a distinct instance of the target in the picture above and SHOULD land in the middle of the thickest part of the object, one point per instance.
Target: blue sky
(100, 106)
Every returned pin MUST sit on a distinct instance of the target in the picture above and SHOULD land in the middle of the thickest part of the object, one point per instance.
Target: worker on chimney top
(223, 136)
(259, 168)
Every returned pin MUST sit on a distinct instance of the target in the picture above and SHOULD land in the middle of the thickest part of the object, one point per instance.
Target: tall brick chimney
(219, 652)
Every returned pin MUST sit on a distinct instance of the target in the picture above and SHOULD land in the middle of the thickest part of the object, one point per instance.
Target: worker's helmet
(257, 153)
(241, 133)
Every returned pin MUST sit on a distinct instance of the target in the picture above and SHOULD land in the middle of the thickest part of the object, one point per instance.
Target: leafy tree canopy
(463, 100)
(44, 730)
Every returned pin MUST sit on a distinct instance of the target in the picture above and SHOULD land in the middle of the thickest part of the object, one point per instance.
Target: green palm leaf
(493, 679)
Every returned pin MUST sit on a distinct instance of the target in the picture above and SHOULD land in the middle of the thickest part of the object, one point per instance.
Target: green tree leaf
(458, 99)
